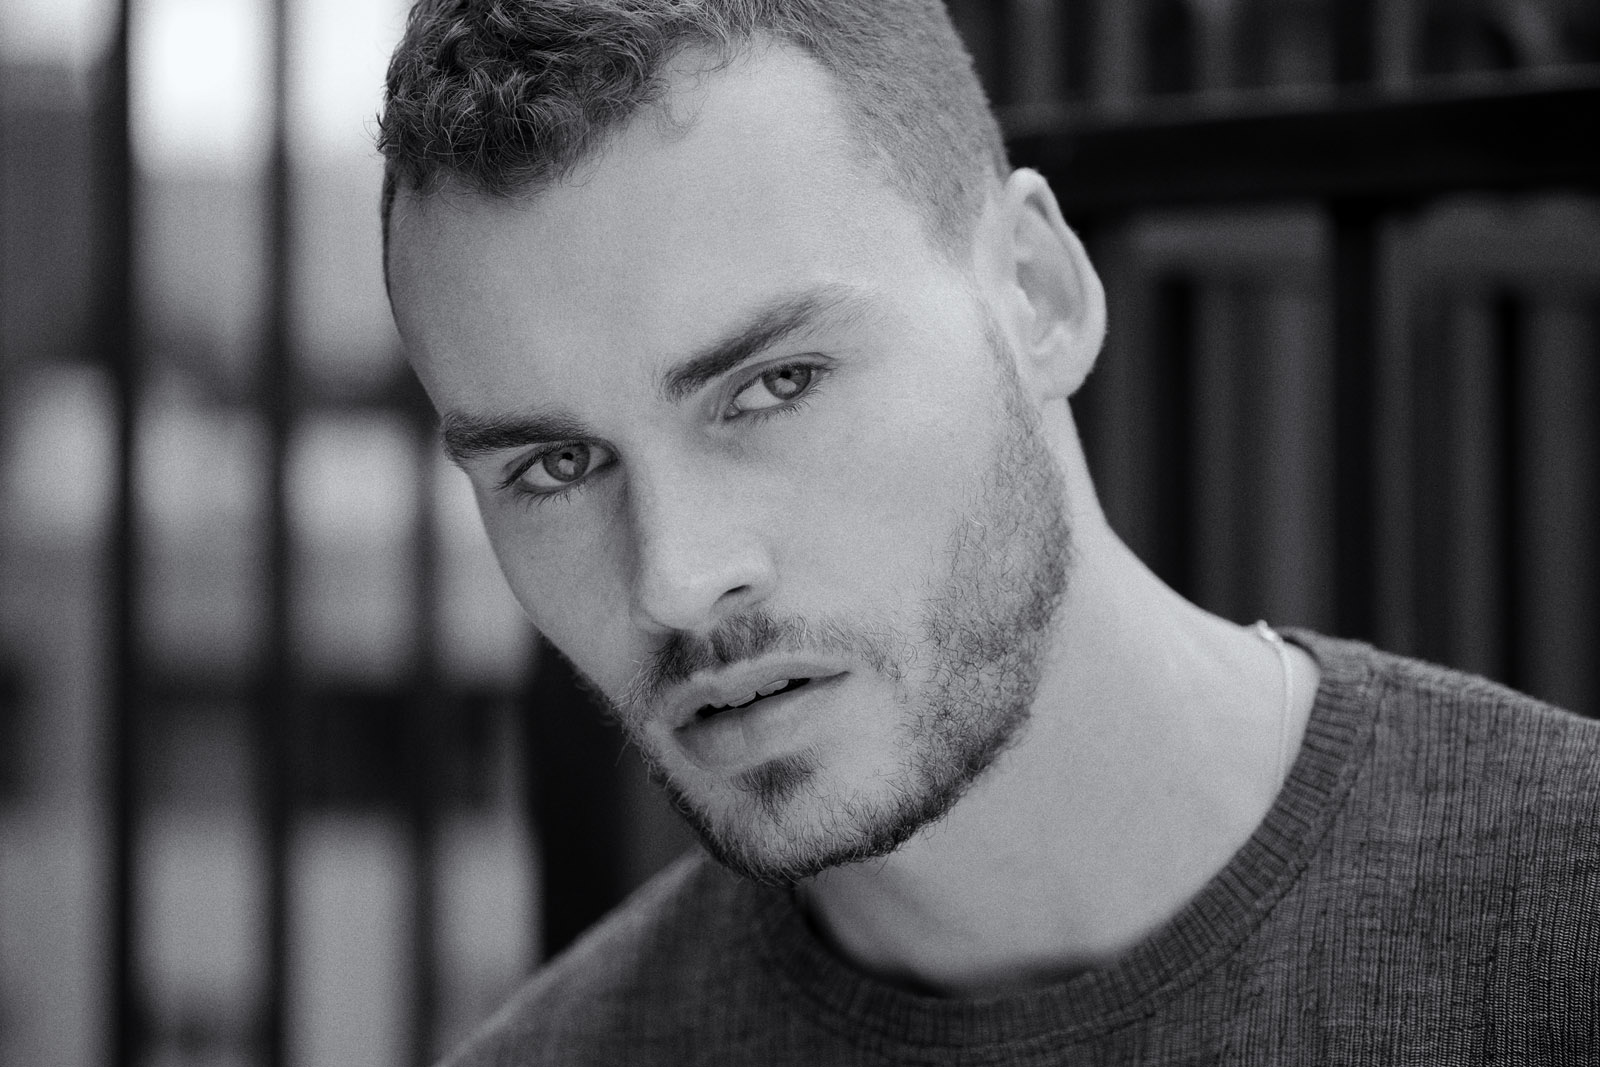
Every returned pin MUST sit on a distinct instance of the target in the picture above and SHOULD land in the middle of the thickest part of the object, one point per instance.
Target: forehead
(749, 184)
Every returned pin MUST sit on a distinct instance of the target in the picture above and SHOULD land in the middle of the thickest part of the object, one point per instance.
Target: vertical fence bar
(424, 745)
(1429, 344)
(1354, 51)
(1034, 47)
(276, 702)
(1172, 421)
(1355, 301)
(114, 336)
(577, 801)
(1114, 79)
(1355, 324)
(1512, 499)
(1075, 25)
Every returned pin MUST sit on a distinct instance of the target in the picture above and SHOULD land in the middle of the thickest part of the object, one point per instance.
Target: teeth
(764, 691)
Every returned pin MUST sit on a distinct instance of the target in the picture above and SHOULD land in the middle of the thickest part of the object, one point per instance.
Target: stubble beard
(985, 633)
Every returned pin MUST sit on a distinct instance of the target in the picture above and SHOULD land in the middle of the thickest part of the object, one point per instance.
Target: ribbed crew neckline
(1202, 935)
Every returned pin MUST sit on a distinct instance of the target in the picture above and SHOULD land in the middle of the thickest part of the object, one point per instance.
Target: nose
(699, 553)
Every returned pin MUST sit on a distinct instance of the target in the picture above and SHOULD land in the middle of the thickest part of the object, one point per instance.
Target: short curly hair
(504, 97)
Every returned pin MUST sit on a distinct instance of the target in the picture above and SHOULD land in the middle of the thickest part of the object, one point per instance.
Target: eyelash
(819, 373)
(528, 496)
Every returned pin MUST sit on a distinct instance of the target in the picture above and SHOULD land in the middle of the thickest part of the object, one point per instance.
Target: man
(760, 358)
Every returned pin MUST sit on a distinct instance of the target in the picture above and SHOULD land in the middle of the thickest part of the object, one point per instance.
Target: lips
(782, 685)
(731, 727)
(743, 687)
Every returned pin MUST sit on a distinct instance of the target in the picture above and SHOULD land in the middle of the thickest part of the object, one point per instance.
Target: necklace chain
(1272, 637)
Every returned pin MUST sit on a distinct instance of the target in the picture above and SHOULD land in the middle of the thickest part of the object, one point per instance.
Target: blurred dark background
(284, 776)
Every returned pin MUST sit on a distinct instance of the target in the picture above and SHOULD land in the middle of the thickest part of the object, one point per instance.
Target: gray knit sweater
(1425, 890)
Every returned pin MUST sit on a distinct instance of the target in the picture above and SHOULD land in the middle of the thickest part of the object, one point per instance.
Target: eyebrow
(468, 437)
(770, 323)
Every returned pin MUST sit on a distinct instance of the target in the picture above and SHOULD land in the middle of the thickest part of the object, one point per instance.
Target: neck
(1151, 756)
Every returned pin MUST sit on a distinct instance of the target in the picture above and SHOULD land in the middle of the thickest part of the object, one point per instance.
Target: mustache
(752, 635)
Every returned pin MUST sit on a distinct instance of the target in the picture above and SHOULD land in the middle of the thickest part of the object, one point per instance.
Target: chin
(784, 821)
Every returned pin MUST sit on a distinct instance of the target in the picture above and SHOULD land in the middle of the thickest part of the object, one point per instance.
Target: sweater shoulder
(1497, 786)
(1547, 755)
(1444, 728)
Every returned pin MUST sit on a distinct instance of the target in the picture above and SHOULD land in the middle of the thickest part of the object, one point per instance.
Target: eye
(773, 388)
(559, 468)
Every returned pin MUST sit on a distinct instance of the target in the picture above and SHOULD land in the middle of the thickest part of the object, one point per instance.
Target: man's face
(737, 430)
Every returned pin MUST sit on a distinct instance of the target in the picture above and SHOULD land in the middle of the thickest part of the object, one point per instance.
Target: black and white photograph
(800, 533)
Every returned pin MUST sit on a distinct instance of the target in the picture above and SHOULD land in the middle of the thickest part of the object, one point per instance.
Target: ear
(1049, 298)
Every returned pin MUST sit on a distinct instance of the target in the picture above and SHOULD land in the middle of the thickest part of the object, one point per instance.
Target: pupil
(567, 463)
(788, 382)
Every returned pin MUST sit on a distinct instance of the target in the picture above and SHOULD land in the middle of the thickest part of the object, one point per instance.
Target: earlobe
(1058, 299)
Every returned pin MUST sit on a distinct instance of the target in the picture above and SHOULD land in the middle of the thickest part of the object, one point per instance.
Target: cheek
(875, 505)
(559, 577)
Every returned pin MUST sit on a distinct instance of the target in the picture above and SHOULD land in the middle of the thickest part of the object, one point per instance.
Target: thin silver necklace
(1271, 637)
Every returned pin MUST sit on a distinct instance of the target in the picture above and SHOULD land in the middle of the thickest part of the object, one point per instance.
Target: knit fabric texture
(1424, 890)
